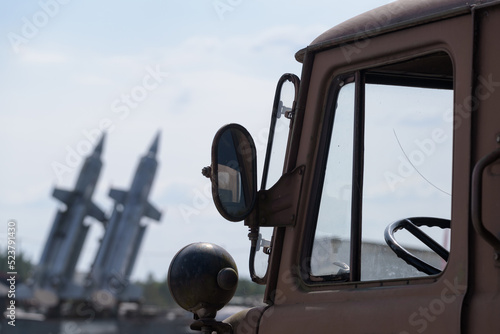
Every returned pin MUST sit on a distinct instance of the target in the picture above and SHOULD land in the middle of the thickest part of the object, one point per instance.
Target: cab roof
(394, 16)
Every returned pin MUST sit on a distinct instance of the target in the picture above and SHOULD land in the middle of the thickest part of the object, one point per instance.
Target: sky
(70, 70)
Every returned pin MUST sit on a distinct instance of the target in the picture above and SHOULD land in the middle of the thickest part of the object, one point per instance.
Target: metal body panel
(391, 17)
(484, 301)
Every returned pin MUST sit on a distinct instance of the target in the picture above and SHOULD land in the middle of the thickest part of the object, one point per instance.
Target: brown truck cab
(385, 212)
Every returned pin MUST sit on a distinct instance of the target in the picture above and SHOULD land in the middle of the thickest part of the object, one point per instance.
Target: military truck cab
(385, 217)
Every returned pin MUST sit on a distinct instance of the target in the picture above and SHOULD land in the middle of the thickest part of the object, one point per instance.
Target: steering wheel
(412, 225)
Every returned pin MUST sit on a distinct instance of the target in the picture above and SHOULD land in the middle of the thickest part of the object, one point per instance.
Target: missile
(124, 232)
(68, 232)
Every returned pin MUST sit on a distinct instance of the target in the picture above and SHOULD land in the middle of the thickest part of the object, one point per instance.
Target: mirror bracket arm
(278, 206)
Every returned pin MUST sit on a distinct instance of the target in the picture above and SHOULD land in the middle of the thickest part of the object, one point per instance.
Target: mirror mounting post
(278, 205)
(265, 214)
(276, 113)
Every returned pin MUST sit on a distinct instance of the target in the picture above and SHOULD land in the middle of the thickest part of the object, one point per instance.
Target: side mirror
(234, 172)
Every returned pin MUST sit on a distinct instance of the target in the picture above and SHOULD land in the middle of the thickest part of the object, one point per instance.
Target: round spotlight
(202, 278)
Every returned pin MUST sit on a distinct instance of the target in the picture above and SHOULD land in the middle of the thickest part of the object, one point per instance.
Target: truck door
(385, 142)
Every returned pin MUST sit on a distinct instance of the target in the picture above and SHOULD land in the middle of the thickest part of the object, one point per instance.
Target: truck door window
(332, 243)
(400, 160)
(407, 172)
